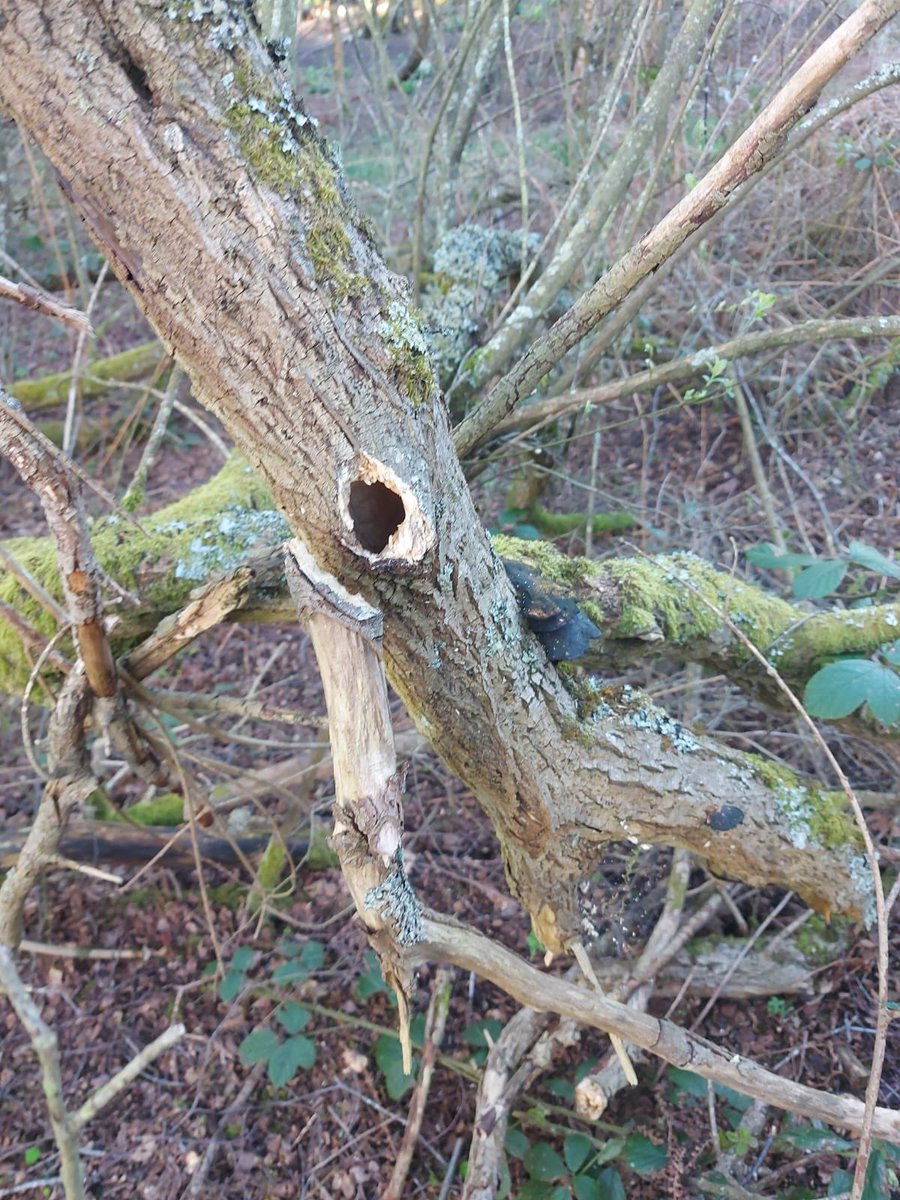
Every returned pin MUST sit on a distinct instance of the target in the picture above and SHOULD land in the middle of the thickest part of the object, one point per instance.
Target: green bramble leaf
(313, 955)
(611, 1185)
(840, 688)
(292, 1017)
(536, 1189)
(516, 1143)
(820, 579)
(242, 959)
(542, 1162)
(687, 1081)
(813, 1137)
(292, 971)
(371, 982)
(873, 560)
(297, 1053)
(483, 1033)
(586, 1187)
(389, 1057)
(576, 1150)
(876, 1185)
(232, 985)
(839, 1183)
(563, 1088)
(258, 1046)
(644, 1156)
(765, 555)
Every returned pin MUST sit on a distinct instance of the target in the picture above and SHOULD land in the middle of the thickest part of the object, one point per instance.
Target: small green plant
(715, 377)
(389, 1059)
(284, 1056)
(777, 1006)
(841, 687)
(481, 1035)
(234, 980)
(819, 577)
(32, 1155)
(371, 981)
(300, 960)
(288, 1050)
(582, 1170)
(760, 303)
(534, 944)
(849, 682)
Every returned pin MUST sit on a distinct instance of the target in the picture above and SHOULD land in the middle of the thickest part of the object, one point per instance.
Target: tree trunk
(219, 207)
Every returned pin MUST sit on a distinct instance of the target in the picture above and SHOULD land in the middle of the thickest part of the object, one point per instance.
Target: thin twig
(109, 1090)
(447, 940)
(42, 302)
(70, 427)
(435, 1024)
(46, 1047)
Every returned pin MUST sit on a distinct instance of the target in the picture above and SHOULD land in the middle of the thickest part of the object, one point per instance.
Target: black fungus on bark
(556, 620)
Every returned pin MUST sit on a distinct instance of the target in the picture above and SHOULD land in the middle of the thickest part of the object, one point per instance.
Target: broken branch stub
(368, 825)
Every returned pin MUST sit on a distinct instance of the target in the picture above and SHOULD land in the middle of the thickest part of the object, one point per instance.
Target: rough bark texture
(219, 207)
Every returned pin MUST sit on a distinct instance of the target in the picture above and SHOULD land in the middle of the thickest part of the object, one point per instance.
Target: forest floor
(113, 964)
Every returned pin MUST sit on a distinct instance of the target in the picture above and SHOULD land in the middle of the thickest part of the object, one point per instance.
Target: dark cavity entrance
(376, 512)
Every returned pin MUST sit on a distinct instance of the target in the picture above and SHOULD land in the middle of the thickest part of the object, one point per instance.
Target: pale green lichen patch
(228, 542)
(225, 24)
(636, 710)
(472, 264)
(810, 814)
(408, 346)
(598, 701)
(279, 142)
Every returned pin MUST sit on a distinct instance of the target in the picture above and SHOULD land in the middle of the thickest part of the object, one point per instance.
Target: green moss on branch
(210, 531)
(674, 604)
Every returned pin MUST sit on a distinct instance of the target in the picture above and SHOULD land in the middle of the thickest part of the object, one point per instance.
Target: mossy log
(666, 605)
(94, 379)
(674, 605)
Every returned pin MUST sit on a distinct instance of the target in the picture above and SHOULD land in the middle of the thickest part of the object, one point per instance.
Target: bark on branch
(446, 940)
(244, 252)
